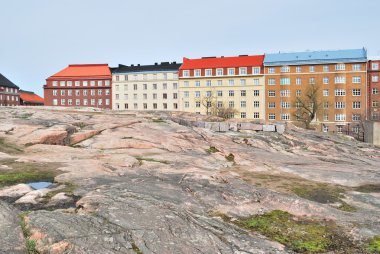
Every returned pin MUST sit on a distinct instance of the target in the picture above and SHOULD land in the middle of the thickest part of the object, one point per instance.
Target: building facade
(373, 90)
(340, 77)
(145, 87)
(9, 92)
(80, 85)
(28, 98)
(212, 85)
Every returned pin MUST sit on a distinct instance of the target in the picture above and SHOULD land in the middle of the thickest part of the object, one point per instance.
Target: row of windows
(144, 106)
(219, 104)
(84, 92)
(338, 117)
(9, 89)
(221, 72)
(8, 97)
(231, 82)
(145, 96)
(85, 102)
(325, 92)
(326, 68)
(338, 105)
(326, 80)
(154, 76)
(145, 86)
(83, 83)
(231, 93)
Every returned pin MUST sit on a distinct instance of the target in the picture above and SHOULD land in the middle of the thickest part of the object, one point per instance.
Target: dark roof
(6, 82)
(164, 66)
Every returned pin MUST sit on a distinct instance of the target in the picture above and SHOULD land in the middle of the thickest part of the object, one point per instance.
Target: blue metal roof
(316, 57)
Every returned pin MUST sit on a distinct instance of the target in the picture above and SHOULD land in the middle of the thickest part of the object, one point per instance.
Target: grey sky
(40, 37)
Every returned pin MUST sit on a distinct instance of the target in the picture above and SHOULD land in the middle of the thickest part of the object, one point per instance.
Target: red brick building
(9, 92)
(373, 90)
(80, 85)
(28, 98)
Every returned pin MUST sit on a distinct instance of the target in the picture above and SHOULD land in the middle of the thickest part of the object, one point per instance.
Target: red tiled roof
(222, 62)
(30, 97)
(84, 70)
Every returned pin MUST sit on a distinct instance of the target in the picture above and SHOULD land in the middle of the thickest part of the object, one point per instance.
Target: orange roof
(30, 97)
(84, 70)
(222, 62)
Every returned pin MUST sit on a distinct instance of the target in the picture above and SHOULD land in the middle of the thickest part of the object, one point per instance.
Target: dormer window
(186, 73)
(208, 72)
(243, 71)
(231, 71)
(197, 73)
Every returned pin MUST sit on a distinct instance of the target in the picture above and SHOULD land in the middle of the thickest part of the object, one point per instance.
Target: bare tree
(208, 102)
(225, 112)
(308, 105)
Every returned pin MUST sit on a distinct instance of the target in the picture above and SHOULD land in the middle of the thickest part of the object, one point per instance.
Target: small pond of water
(40, 185)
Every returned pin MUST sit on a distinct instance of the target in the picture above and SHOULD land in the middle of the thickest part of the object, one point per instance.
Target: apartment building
(29, 98)
(223, 82)
(80, 85)
(339, 75)
(373, 90)
(145, 87)
(9, 92)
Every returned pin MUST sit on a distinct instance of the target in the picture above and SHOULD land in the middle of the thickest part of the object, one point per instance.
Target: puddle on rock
(40, 185)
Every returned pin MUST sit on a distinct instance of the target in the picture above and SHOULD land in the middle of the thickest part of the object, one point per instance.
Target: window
(186, 73)
(92, 92)
(340, 80)
(175, 96)
(285, 104)
(311, 81)
(356, 117)
(55, 92)
(145, 86)
(326, 105)
(145, 106)
(340, 67)
(326, 80)
(208, 82)
(100, 82)
(298, 104)
(70, 102)
(325, 92)
(231, 93)
(356, 92)
(197, 83)
(155, 96)
(375, 91)
(311, 69)
(125, 77)
(175, 105)
(298, 69)
(271, 104)
(340, 92)
(375, 66)
(107, 92)
(256, 104)
(298, 81)
(356, 80)
(356, 104)
(340, 117)
(197, 73)
(231, 71)
(256, 81)
(92, 83)
(256, 115)
(197, 104)
(243, 71)
(271, 93)
(231, 82)
(243, 93)
(186, 83)
(117, 87)
(285, 81)
(107, 83)
(63, 101)
(242, 82)
(375, 116)
(256, 92)
(219, 72)
(69, 83)
(231, 104)
(220, 82)
(208, 72)
(134, 86)
(62, 83)
(375, 104)
(77, 83)
(62, 92)
(285, 69)
(145, 96)
(135, 106)
(197, 94)
(285, 93)
(340, 105)
(55, 83)
(325, 117)
(285, 117)
(77, 92)
(219, 93)
(164, 86)
(186, 94)
(243, 115)
(100, 92)
(125, 96)
(271, 70)
(326, 68)
(298, 93)
(175, 86)
(92, 102)
(243, 104)
(165, 96)
(271, 81)
(375, 78)
(256, 70)
(356, 67)
(272, 116)
(135, 96)
(155, 86)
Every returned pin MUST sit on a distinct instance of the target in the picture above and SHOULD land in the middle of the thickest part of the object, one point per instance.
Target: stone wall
(372, 132)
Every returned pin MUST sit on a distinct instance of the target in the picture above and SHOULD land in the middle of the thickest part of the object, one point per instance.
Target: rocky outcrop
(11, 236)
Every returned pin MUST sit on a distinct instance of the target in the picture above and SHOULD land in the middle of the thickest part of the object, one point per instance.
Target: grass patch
(346, 207)
(81, 125)
(29, 244)
(321, 193)
(298, 234)
(158, 120)
(373, 245)
(230, 158)
(24, 116)
(212, 149)
(368, 188)
(9, 148)
(141, 159)
(26, 172)
(68, 190)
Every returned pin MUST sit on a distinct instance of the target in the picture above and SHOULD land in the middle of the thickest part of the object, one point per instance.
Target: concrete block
(233, 126)
(257, 127)
(215, 126)
(208, 125)
(223, 127)
(280, 128)
(269, 128)
(200, 124)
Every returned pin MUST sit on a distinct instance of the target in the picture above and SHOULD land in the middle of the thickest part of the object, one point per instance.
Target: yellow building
(231, 85)
(145, 87)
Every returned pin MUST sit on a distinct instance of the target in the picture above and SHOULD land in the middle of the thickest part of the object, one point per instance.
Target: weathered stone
(280, 128)
(11, 238)
(269, 128)
(15, 191)
(32, 197)
(233, 126)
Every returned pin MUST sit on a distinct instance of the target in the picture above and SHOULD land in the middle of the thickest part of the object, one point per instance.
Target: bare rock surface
(145, 184)
(11, 237)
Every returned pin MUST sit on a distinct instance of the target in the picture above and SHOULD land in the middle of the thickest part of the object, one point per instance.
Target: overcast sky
(40, 37)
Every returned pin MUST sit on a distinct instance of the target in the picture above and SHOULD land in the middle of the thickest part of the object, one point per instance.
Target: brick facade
(373, 90)
(9, 92)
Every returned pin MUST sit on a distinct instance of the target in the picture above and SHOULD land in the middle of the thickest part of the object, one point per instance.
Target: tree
(308, 105)
(225, 112)
(208, 102)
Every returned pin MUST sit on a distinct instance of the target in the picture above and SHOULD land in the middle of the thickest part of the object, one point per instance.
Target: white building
(145, 87)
